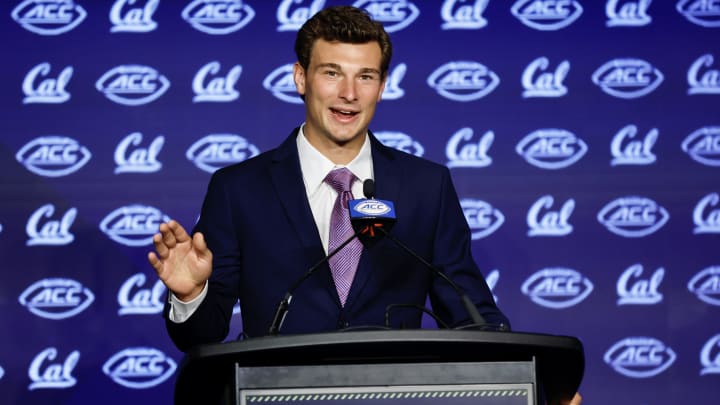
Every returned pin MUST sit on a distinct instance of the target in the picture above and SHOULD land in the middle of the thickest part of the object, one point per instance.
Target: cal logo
(542, 221)
(127, 16)
(463, 15)
(393, 91)
(48, 371)
(627, 13)
(133, 225)
(139, 367)
(56, 298)
(701, 78)
(48, 17)
(639, 357)
(710, 356)
(551, 148)
(281, 84)
(131, 157)
(210, 87)
(53, 156)
(632, 289)
(40, 88)
(537, 81)
(393, 14)
(703, 146)
(136, 298)
(707, 214)
(292, 16)
(219, 150)
(705, 13)
(633, 217)
(132, 84)
(42, 230)
(463, 81)
(218, 17)
(627, 148)
(557, 287)
(462, 151)
(627, 78)
(547, 15)
(482, 218)
(706, 285)
(400, 141)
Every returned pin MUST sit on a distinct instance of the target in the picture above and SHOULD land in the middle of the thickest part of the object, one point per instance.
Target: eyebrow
(338, 67)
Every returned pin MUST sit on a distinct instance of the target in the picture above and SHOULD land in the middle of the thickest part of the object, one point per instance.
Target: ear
(299, 78)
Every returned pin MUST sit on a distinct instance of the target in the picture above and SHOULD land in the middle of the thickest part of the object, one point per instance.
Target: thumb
(200, 247)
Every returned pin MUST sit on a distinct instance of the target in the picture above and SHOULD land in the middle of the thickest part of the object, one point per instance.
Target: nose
(347, 92)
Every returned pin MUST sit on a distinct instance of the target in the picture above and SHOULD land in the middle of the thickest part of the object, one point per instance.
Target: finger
(154, 262)
(160, 247)
(168, 238)
(178, 231)
(201, 246)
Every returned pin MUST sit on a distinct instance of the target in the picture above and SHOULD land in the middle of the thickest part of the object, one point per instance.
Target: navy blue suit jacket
(258, 223)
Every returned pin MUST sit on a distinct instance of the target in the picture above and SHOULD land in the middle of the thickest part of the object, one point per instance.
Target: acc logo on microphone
(629, 14)
(461, 152)
(139, 367)
(400, 141)
(626, 151)
(281, 84)
(639, 357)
(132, 84)
(50, 232)
(710, 356)
(482, 218)
(53, 156)
(631, 289)
(136, 300)
(633, 217)
(126, 18)
(56, 298)
(707, 220)
(218, 150)
(372, 207)
(702, 13)
(393, 14)
(703, 82)
(292, 17)
(218, 89)
(627, 78)
(48, 17)
(218, 17)
(39, 88)
(463, 16)
(551, 148)
(703, 146)
(133, 225)
(547, 15)
(463, 81)
(706, 285)
(557, 287)
(46, 374)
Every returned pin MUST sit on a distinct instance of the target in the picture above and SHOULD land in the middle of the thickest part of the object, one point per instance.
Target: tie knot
(340, 179)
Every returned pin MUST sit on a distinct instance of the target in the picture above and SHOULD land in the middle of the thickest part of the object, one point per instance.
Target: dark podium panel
(397, 367)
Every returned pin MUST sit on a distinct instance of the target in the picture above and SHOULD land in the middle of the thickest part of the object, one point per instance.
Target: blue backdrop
(583, 138)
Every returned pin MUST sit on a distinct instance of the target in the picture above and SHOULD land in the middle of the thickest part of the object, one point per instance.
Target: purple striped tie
(345, 262)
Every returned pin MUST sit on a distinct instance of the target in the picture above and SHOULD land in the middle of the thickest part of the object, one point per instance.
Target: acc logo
(461, 152)
(281, 84)
(463, 16)
(138, 160)
(707, 220)
(132, 84)
(482, 218)
(547, 15)
(52, 232)
(56, 298)
(53, 156)
(463, 81)
(401, 142)
(626, 151)
(372, 207)
(629, 14)
(45, 374)
(293, 20)
(136, 300)
(393, 14)
(701, 12)
(139, 367)
(552, 223)
(631, 289)
(392, 84)
(218, 17)
(710, 356)
(706, 285)
(639, 357)
(551, 148)
(48, 90)
(218, 150)
(557, 287)
(703, 146)
(707, 82)
(126, 18)
(627, 78)
(133, 225)
(218, 89)
(538, 83)
(633, 217)
(48, 17)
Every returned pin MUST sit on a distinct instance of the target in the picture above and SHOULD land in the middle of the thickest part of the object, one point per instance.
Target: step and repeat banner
(583, 138)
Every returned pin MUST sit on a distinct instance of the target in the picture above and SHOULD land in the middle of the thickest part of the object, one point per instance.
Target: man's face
(341, 85)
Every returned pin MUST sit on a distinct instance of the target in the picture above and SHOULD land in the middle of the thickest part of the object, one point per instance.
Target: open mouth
(343, 113)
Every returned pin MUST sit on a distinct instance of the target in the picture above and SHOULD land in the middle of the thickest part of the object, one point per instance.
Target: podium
(389, 367)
